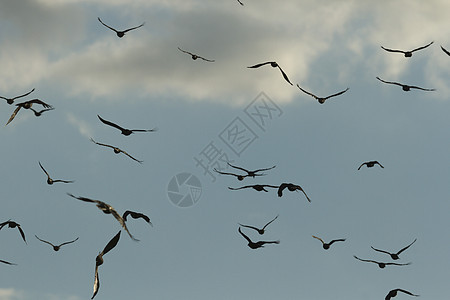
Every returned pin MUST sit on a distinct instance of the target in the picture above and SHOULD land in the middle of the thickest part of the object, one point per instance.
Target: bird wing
(393, 50)
(401, 250)
(420, 88)
(270, 222)
(7, 262)
(382, 251)
(106, 145)
(406, 292)
(337, 240)
(249, 226)
(443, 49)
(110, 123)
(136, 215)
(284, 75)
(306, 92)
(225, 173)
(64, 181)
(316, 237)
(239, 168)
(19, 96)
(307, 198)
(124, 152)
(122, 222)
(44, 241)
(205, 59)
(185, 51)
(397, 264)
(46, 173)
(70, 242)
(85, 199)
(423, 47)
(106, 25)
(145, 130)
(96, 282)
(240, 188)
(132, 28)
(379, 164)
(389, 82)
(21, 233)
(364, 163)
(260, 65)
(265, 169)
(337, 94)
(246, 237)
(37, 101)
(111, 244)
(365, 260)
(240, 3)
(13, 115)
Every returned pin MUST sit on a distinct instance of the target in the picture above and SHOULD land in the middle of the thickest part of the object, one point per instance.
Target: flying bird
(381, 264)
(107, 209)
(291, 187)
(445, 50)
(326, 246)
(12, 224)
(99, 260)
(251, 173)
(120, 33)
(407, 53)
(256, 245)
(117, 151)
(240, 3)
(238, 176)
(7, 262)
(260, 230)
(273, 65)
(11, 100)
(27, 105)
(394, 256)
(370, 164)
(257, 187)
(125, 131)
(195, 56)
(136, 215)
(50, 181)
(39, 113)
(322, 100)
(56, 247)
(393, 293)
(405, 87)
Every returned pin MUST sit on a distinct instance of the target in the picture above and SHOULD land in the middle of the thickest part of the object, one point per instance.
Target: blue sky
(143, 81)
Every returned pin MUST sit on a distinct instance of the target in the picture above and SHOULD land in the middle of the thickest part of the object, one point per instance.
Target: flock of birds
(122, 219)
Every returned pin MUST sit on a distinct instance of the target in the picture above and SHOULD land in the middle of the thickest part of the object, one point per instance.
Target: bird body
(256, 245)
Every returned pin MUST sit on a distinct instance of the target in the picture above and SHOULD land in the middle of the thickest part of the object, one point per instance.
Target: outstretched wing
(379, 250)
(401, 250)
(249, 226)
(246, 237)
(132, 28)
(205, 59)
(96, 282)
(260, 65)
(423, 47)
(389, 82)
(37, 101)
(240, 188)
(285, 76)
(17, 97)
(337, 94)
(406, 292)
(420, 88)
(111, 244)
(100, 144)
(85, 199)
(265, 169)
(443, 49)
(306, 92)
(270, 222)
(46, 173)
(7, 262)
(392, 50)
(107, 27)
(13, 115)
(70, 242)
(21, 233)
(239, 168)
(110, 123)
(44, 241)
(337, 240)
(124, 152)
(136, 215)
(365, 260)
(316, 237)
(122, 222)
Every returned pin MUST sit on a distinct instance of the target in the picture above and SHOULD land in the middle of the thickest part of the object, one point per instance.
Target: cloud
(83, 127)
(11, 294)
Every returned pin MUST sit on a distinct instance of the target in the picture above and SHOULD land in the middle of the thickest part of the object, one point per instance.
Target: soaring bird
(120, 33)
(251, 173)
(50, 180)
(12, 224)
(195, 56)
(107, 209)
(27, 105)
(322, 100)
(326, 246)
(273, 64)
(394, 256)
(257, 187)
(260, 230)
(445, 51)
(99, 260)
(256, 245)
(238, 176)
(136, 215)
(370, 164)
(125, 131)
(39, 113)
(381, 264)
(7, 262)
(393, 293)
(117, 150)
(405, 87)
(407, 53)
(56, 247)
(11, 100)
(291, 187)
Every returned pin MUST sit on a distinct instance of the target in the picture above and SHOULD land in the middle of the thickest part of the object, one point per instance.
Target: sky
(208, 113)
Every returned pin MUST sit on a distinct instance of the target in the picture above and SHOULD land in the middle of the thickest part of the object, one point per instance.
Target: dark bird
(256, 245)
(99, 260)
(11, 100)
(117, 150)
(273, 65)
(50, 180)
(393, 293)
(258, 187)
(27, 105)
(322, 100)
(262, 230)
(370, 164)
(407, 53)
(125, 131)
(381, 264)
(238, 176)
(195, 56)
(405, 87)
(136, 215)
(251, 173)
(240, 3)
(445, 50)
(39, 113)
(120, 33)
(394, 256)
(56, 247)
(326, 246)
(291, 187)
(12, 224)
(7, 262)
(107, 209)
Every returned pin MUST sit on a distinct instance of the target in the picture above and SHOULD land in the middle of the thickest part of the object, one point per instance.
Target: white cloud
(83, 127)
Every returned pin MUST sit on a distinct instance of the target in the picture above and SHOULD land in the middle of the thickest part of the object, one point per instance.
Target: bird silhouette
(370, 164)
(39, 113)
(27, 105)
(12, 224)
(107, 209)
(50, 180)
(136, 215)
(256, 245)
(291, 187)
(99, 261)
(381, 264)
(259, 230)
(55, 247)
(251, 173)
(120, 33)
(393, 293)
(273, 65)
(240, 3)
(405, 87)
(117, 150)
(195, 56)
(407, 53)
(394, 256)
(7, 262)
(125, 131)
(238, 176)
(320, 99)
(11, 100)
(326, 246)
(257, 187)
(445, 51)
